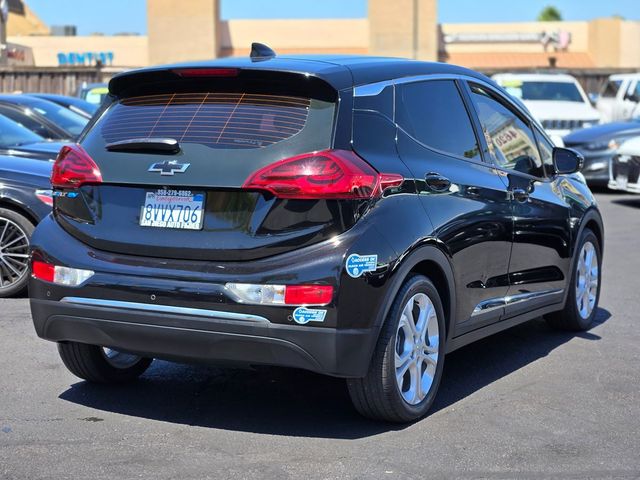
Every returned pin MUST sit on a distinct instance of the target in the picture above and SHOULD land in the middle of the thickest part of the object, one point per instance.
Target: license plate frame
(173, 209)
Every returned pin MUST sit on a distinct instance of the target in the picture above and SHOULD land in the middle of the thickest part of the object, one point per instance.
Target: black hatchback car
(355, 216)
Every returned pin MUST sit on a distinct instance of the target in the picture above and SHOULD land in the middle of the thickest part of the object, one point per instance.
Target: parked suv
(354, 216)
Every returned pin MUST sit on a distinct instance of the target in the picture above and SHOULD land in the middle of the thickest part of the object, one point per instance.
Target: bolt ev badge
(169, 167)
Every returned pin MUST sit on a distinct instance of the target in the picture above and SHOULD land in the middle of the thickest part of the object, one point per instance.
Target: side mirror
(567, 160)
(593, 98)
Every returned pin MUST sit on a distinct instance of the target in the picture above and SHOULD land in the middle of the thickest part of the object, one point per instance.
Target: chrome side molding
(148, 307)
(499, 302)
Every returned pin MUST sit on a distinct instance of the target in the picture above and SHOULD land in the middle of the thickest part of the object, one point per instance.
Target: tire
(574, 317)
(93, 363)
(15, 239)
(379, 395)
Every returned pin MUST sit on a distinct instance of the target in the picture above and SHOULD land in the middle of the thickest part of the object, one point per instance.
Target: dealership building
(181, 30)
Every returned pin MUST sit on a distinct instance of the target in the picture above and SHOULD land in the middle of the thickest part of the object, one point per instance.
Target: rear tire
(99, 365)
(406, 367)
(15, 238)
(582, 300)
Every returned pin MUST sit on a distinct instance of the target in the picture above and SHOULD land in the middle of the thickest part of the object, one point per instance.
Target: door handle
(437, 182)
(519, 195)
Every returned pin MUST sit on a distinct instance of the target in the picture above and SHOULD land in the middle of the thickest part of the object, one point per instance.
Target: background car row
(33, 128)
(603, 126)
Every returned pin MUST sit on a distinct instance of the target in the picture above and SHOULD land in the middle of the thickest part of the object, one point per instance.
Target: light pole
(4, 17)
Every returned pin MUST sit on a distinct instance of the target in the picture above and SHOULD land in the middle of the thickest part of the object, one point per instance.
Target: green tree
(550, 14)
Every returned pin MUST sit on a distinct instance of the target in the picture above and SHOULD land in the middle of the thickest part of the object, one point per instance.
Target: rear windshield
(216, 120)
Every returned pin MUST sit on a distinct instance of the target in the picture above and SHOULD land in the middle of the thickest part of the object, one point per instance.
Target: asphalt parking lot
(528, 402)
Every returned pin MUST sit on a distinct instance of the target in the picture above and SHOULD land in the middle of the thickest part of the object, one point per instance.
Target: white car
(624, 168)
(619, 98)
(557, 101)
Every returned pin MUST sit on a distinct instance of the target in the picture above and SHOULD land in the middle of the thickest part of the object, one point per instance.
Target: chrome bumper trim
(147, 307)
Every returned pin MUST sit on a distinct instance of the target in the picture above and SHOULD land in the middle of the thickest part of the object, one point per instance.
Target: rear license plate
(173, 209)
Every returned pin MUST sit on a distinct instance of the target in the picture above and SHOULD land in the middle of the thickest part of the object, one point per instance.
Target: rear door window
(434, 114)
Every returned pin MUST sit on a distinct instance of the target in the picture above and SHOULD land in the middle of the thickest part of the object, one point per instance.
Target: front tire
(101, 365)
(584, 290)
(406, 367)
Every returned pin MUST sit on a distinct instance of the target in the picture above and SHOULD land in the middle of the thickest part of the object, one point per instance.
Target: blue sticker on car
(304, 315)
(358, 264)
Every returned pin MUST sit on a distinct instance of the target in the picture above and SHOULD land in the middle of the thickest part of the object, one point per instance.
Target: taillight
(268, 294)
(74, 167)
(43, 271)
(67, 276)
(338, 174)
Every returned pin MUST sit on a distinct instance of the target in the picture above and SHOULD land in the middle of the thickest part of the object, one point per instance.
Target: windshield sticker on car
(358, 264)
(303, 315)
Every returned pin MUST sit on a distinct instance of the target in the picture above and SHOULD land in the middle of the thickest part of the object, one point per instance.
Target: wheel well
(434, 272)
(595, 228)
(9, 205)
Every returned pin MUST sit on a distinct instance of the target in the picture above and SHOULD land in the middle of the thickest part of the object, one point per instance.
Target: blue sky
(129, 15)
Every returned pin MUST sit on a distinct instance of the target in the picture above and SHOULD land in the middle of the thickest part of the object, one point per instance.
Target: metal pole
(415, 29)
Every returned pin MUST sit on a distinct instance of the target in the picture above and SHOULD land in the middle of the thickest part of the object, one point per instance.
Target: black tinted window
(610, 89)
(217, 120)
(434, 114)
(511, 142)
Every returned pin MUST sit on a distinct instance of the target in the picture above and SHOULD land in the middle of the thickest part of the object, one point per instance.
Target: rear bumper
(204, 336)
(180, 310)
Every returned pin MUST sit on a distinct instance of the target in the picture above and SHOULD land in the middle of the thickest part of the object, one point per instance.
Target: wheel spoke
(4, 230)
(20, 237)
(400, 372)
(407, 312)
(7, 264)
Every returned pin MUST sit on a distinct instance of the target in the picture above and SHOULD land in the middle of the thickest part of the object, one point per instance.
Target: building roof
(511, 60)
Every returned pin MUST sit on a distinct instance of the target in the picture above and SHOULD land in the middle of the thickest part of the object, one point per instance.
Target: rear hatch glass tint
(224, 136)
(216, 120)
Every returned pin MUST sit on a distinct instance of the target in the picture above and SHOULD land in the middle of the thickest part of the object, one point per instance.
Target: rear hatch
(175, 150)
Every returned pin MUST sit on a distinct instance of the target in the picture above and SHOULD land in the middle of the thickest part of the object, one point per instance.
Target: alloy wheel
(417, 347)
(14, 253)
(119, 359)
(587, 278)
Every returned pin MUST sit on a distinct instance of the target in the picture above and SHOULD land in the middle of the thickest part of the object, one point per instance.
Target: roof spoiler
(260, 51)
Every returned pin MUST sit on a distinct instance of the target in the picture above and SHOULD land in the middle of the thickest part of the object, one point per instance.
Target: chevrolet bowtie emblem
(169, 167)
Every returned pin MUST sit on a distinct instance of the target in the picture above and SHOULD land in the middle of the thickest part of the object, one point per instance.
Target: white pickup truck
(619, 98)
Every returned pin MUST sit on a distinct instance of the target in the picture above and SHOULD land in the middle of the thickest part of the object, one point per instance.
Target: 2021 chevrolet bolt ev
(354, 216)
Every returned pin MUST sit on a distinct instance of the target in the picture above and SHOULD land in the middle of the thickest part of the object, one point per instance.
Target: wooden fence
(64, 81)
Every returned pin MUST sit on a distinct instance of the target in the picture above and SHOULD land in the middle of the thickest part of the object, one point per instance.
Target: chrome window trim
(499, 302)
(147, 307)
